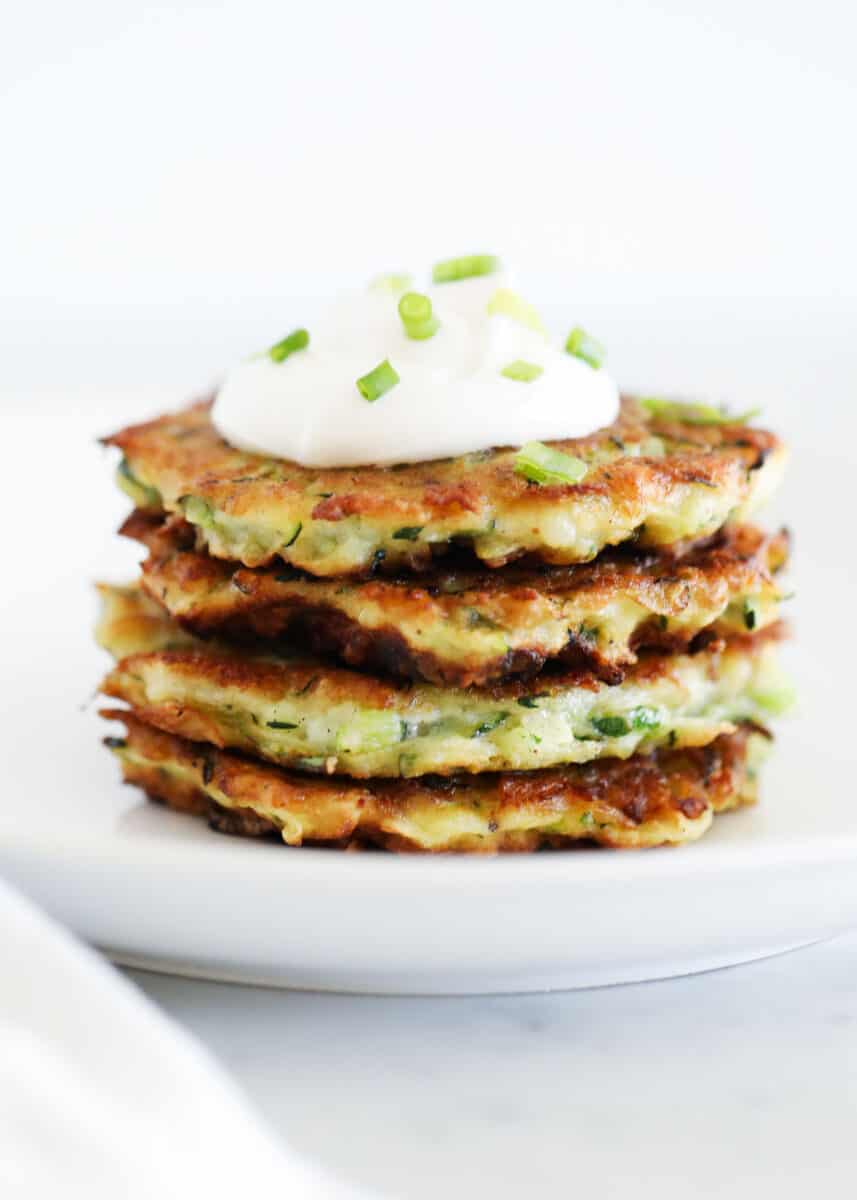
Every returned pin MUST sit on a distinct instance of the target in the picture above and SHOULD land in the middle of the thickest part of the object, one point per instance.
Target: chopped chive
(522, 371)
(751, 613)
(280, 725)
(644, 717)
(507, 303)
(694, 414)
(378, 381)
(395, 283)
(417, 316)
(531, 701)
(490, 724)
(465, 267)
(297, 340)
(408, 533)
(581, 345)
(540, 464)
(610, 726)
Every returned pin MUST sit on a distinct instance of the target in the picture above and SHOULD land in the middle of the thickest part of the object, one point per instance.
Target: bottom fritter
(667, 797)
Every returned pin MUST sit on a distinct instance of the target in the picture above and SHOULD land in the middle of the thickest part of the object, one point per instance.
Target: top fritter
(661, 474)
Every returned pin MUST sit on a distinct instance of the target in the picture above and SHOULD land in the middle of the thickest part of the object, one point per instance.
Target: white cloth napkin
(102, 1097)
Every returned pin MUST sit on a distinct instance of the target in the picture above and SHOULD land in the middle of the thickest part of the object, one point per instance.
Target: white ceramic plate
(159, 890)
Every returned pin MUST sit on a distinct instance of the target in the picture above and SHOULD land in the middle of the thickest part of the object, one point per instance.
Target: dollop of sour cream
(451, 398)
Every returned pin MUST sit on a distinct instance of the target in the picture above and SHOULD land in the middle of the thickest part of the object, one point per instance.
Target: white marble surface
(740, 1082)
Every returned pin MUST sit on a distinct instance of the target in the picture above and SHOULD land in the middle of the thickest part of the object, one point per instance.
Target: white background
(180, 180)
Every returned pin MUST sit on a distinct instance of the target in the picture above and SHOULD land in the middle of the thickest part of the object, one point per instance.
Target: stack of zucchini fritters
(447, 655)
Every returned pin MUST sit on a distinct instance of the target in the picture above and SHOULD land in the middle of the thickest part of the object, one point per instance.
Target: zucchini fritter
(459, 627)
(657, 481)
(299, 711)
(666, 797)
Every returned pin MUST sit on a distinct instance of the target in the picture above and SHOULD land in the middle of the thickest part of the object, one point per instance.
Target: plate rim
(580, 865)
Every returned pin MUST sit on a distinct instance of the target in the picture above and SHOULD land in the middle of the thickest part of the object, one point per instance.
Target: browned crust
(226, 667)
(185, 455)
(212, 597)
(649, 799)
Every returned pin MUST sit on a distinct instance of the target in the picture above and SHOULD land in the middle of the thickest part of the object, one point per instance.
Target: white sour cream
(451, 398)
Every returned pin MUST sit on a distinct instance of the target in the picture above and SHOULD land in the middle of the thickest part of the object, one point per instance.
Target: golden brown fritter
(655, 480)
(666, 797)
(458, 627)
(300, 711)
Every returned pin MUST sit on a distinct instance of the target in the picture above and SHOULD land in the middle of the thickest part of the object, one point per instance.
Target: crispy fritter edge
(665, 798)
(350, 520)
(211, 597)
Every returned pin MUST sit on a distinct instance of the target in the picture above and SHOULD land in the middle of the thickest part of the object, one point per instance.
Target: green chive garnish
(752, 613)
(453, 269)
(540, 464)
(378, 381)
(610, 726)
(581, 345)
(391, 283)
(644, 717)
(490, 724)
(509, 304)
(695, 414)
(298, 340)
(417, 316)
(523, 372)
